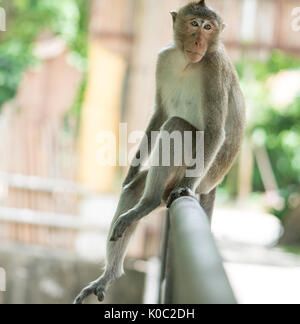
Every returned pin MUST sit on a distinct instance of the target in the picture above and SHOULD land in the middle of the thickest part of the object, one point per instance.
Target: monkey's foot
(181, 192)
(123, 222)
(98, 288)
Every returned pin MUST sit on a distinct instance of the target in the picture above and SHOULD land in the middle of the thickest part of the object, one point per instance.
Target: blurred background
(70, 69)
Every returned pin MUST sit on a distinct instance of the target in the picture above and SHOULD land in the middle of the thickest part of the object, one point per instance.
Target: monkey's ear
(223, 26)
(202, 3)
(174, 15)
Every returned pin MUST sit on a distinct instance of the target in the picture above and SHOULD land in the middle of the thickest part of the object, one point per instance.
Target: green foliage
(28, 18)
(278, 129)
(262, 70)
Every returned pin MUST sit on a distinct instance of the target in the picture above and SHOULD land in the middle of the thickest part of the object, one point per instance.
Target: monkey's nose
(197, 43)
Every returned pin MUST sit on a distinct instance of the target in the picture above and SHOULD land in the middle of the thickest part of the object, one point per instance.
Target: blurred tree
(26, 20)
(275, 128)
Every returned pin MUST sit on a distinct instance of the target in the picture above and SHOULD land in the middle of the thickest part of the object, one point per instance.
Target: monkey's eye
(207, 27)
(195, 23)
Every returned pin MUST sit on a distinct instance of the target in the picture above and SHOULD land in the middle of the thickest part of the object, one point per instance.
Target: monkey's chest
(183, 99)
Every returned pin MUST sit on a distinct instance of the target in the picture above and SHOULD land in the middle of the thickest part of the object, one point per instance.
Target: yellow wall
(101, 112)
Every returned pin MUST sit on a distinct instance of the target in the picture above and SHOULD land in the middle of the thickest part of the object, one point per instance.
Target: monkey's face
(198, 35)
(197, 29)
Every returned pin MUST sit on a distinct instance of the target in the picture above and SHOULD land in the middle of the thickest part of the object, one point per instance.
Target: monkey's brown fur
(197, 90)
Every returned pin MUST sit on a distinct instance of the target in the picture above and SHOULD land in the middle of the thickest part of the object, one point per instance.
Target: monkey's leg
(157, 179)
(187, 185)
(115, 251)
(151, 199)
(207, 202)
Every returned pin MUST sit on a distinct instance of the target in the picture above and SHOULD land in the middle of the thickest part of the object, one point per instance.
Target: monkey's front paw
(181, 192)
(120, 227)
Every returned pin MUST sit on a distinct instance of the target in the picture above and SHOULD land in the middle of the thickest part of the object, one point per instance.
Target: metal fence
(192, 268)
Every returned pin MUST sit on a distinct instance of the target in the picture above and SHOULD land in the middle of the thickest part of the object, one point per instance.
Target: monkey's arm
(214, 138)
(216, 109)
(155, 124)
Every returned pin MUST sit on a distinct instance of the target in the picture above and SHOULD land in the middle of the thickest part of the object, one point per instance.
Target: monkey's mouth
(193, 53)
(194, 57)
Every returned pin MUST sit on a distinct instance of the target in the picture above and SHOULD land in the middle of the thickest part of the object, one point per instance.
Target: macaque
(197, 89)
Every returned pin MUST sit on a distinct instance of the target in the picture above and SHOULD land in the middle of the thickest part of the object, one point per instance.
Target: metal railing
(192, 268)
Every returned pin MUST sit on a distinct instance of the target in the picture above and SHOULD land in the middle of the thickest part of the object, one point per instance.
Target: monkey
(197, 89)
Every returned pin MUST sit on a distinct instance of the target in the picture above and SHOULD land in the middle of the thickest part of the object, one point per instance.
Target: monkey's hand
(180, 192)
(123, 222)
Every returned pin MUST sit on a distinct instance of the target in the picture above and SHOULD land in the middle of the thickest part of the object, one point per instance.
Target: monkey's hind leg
(115, 251)
(158, 177)
(151, 199)
(207, 202)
